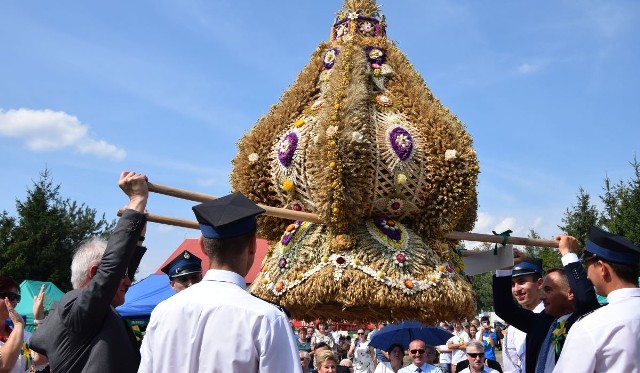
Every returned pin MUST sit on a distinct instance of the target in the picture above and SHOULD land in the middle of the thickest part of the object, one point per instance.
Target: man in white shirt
(457, 344)
(607, 340)
(216, 325)
(526, 280)
(475, 354)
(418, 354)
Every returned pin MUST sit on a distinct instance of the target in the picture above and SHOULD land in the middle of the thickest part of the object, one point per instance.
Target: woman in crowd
(322, 335)
(396, 356)
(303, 342)
(361, 353)
(326, 362)
(473, 331)
(15, 356)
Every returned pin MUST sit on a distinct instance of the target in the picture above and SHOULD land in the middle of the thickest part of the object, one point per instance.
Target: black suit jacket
(536, 325)
(84, 333)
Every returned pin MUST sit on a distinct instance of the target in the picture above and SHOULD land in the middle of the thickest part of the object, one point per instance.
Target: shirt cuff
(569, 258)
(503, 272)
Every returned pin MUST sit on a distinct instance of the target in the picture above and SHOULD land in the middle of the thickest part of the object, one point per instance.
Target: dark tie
(419, 370)
(544, 349)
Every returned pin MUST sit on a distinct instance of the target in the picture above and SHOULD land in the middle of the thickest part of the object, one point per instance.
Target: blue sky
(547, 89)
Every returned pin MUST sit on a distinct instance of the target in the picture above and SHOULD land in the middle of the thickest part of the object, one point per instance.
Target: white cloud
(527, 68)
(483, 223)
(48, 130)
(505, 224)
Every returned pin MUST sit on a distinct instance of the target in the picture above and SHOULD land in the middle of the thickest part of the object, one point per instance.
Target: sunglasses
(475, 354)
(416, 352)
(11, 295)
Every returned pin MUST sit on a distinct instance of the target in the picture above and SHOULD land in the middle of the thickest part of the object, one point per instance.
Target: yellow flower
(325, 259)
(381, 274)
(299, 123)
(299, 276)
(376, 72)
(332, 164)
(356, 261)
(265, 281)
(288, 185)
(401, 179)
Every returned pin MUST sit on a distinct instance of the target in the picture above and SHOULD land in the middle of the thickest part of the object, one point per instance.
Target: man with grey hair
(84, 333)
(475, 356)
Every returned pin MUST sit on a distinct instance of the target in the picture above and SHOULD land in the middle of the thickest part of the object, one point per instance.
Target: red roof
(192, 245)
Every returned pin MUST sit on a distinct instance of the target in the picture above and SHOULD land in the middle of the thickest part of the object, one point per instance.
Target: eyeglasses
(475, 354)
(11, 295)
(361, 333)
(417, 352)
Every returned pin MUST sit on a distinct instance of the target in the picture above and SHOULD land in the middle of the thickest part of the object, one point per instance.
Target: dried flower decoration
(383, 100)
(394, 205)
(286, 148)
(450, 154)
(330, 58)
(253, 157)
(357, 137)
(401, 142)
(375, 55)
(401, 179)
(331, 131)
(288, 185)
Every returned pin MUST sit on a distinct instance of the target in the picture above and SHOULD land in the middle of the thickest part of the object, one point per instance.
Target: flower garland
(558, 336)
(341, 261)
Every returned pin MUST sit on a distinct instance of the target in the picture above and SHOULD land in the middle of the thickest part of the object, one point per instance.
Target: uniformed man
(183, 271)
(526, 280)
(216, 325)
(607, 340)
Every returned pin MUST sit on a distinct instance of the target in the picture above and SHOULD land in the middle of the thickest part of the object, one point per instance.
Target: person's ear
(201, 244)
(92, 271)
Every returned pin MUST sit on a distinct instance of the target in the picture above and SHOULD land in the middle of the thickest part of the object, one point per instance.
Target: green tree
(482, 285)
(622, 206)
(549, 255)
(579, 219)
(39, 244)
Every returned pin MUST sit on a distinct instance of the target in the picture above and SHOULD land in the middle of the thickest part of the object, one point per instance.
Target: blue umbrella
(404, 332)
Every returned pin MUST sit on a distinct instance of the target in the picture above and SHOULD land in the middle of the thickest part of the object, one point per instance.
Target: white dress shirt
(514, 347)
(217, 326)
(606, 340)
(426, 368)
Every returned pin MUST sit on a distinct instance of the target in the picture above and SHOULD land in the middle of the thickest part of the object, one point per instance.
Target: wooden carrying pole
(310, 217)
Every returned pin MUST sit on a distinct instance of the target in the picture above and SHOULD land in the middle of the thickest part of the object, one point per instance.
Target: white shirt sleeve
(569, 258)
(279, 354)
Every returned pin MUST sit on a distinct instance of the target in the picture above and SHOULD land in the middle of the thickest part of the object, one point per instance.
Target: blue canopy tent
(144, 296)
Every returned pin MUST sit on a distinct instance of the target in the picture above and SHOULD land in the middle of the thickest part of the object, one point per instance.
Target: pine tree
(39, 244)
(622, 206)
(580, 218)
(550, 256)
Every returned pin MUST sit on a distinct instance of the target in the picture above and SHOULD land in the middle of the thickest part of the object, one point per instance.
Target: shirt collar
(620, 294)
(224, 276)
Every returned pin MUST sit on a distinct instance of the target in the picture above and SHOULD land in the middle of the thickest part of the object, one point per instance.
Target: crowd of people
(212, 324)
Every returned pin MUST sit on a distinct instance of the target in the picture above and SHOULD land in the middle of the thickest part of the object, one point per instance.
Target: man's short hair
(89, 253)
(478, 345)
(225, 250)
(562, 273)
(626, 272)
(321, 345)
